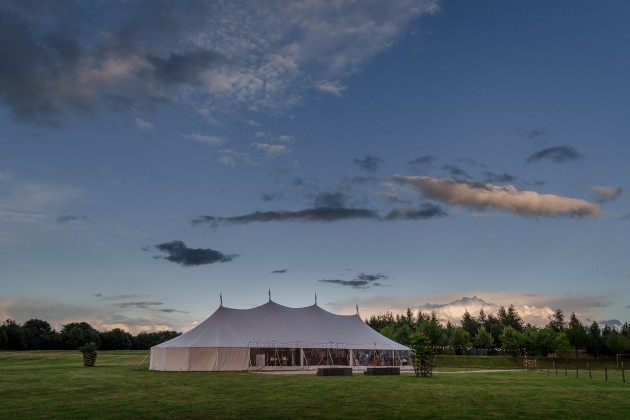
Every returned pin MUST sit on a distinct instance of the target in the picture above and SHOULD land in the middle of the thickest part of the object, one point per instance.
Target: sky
(159, 157)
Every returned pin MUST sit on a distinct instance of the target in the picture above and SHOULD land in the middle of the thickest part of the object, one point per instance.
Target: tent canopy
(274, 325)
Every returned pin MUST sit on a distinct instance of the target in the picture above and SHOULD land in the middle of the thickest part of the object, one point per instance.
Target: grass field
(54, 384)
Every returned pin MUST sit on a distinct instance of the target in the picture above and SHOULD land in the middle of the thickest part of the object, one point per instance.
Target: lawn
(54, 384)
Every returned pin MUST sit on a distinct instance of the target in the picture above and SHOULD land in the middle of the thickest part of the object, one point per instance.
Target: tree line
(36, 334)
(504, 332)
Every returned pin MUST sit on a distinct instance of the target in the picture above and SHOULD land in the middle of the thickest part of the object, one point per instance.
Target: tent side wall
(199, 358)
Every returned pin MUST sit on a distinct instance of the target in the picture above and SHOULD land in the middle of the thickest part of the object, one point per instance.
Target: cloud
(186, 68)
(327, 208)
(229, 157)
(421, 161)
(369, 163)
(179, 253)
(144, 304)
(272, 151)
(506, 198)
(456, 171)
(69, 218)
(362, 281)
(27, 201)
(170, 311)
(537, 133)
(319, 214)
(603, 194)
(534, 308)
(213, 56)
(426, 211)
(286, 138)
(556, 154)
(333, 87)
(103, 317)
(204, 139)
(102, 297)
(144, 126)
(611, 323)
(492, 177)
(284, 270)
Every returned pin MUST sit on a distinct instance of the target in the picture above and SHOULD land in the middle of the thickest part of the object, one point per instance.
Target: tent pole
(249, 356)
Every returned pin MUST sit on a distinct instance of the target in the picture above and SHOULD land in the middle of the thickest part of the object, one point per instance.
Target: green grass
(54, 384)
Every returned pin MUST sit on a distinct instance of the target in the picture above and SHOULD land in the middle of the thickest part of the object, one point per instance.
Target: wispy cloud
(69, 218)
(28, 201)
(369, 163)
(102, 297)
(204, 139)
(362, 281)
(506, 198)
(421, 160)
(603, 194)
(556, 154)
(318, 214)
(282, 271)
(219, 57)
(426, 211)
(537, 133)
(230, 157)
(179, 253)
(144, 304)
(271, 151)
(333, 87)
(144, 126)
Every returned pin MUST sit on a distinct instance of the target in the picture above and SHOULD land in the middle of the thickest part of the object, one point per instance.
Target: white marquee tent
(275, 336)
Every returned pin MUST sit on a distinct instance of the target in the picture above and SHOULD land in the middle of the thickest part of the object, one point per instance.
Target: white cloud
(144, 126)
(534, 308)
(229, 157)
(204, 139)
(506, 198)
(334, 88)
(285, 138)
(272, 150)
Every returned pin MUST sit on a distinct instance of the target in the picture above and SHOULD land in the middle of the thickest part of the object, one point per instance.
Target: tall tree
(116, 339)
(594, 341)
(39, 334)
(510, 318)
(469, 324)
(563, 350)
(77, 334)
(557, 321)
(511, 340)
(493, 326)
(576, 333)
(483, 339)
(16, 339)
(546, 342)
(460, 340)
(617, 343)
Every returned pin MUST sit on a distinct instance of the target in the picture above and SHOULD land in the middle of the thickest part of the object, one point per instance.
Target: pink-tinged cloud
(506, 198)
(603, 194)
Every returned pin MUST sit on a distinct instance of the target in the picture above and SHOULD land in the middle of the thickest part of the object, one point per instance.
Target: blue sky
(381, 154)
